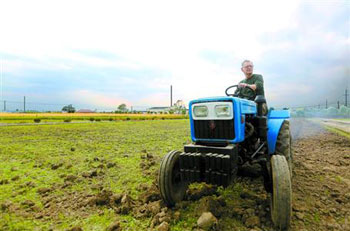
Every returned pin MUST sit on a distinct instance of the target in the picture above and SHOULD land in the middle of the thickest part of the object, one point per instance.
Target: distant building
(85, 111)
(159, 109)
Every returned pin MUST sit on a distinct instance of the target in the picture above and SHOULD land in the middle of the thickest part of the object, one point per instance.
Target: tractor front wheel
(172, 188)
(281, 198)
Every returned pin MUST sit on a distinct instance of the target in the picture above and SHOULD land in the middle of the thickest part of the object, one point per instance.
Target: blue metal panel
(275, 120)
(279, 114)
(248, 107)
(240, 107)
(274, 126)
(191, 122)
(239, 124)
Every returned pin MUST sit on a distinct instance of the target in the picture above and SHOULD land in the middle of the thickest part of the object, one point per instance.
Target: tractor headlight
(223, 110)
(200, 111)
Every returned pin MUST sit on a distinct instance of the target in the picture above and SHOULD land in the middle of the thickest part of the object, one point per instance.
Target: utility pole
(338, 104)
(5, 106)
(24, 104)
(171, 95)
(326, 104)
(346, 97)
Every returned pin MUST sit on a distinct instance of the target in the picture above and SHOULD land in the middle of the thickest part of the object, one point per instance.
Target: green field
(30, 153)
(48, 175)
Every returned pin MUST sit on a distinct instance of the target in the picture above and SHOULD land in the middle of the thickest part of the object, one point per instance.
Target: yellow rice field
(67, 117)
(83, 115)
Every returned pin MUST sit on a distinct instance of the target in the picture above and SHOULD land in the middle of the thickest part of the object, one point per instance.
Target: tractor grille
(214, 129)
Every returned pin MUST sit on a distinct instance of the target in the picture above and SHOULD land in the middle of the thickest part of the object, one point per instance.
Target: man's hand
(243, 85)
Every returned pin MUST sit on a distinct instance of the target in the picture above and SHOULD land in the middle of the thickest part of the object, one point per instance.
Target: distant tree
(69, 108)
(122, 108)
(331, 111)
(300, 112)
(178, 109)
(344, 110)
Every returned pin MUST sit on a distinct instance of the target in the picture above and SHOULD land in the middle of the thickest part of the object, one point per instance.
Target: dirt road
(321, 183)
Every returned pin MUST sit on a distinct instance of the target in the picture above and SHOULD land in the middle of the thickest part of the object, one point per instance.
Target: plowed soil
(321, 183)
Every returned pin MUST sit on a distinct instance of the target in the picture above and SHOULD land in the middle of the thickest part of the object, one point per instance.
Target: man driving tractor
(253, 81)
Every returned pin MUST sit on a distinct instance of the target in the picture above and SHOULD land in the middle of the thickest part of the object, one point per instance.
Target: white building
(159, 109)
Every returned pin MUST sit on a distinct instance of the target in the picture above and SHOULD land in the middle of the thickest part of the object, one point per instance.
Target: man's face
(247, 68)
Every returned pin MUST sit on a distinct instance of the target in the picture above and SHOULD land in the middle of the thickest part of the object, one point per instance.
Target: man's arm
(259, 82)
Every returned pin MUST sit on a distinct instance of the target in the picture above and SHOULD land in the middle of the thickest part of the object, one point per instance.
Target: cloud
(312, 55)
(135, 50)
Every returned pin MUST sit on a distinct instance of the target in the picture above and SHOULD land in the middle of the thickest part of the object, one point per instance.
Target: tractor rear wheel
(284, 145)
(172, 189)
(281, 197)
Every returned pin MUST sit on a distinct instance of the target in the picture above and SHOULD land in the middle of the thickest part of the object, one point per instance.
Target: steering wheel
(238, 92)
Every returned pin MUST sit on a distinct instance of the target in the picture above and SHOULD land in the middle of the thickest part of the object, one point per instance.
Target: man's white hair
(246, 61)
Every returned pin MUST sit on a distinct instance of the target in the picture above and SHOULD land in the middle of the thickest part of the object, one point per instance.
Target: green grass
(338, 131)
(30, 151)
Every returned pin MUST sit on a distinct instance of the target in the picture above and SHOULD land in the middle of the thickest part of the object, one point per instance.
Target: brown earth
(321, 186)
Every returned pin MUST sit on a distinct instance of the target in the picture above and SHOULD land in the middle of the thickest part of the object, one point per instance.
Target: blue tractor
(228, 132)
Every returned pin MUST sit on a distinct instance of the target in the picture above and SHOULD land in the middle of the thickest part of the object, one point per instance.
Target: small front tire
(172, 188)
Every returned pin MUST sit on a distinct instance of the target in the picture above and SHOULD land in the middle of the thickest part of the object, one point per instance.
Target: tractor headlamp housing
(223, 110)
(216, 110)
(200, 111)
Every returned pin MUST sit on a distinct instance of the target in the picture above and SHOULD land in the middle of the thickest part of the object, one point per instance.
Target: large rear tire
(281, 197)
(284, 145)
(172, 189)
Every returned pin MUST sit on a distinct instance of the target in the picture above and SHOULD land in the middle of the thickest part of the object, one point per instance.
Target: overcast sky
(99, 54)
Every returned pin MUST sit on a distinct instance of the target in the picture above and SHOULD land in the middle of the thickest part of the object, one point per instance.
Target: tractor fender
(274, 124)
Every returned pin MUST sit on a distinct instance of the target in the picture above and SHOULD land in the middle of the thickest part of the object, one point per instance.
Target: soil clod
(56, 166)
(115, 226)
(206, 221)
(111, 165)
(15, 178)
(4, 181)
(43, 191)
(164, 226)
(252, 221)
(75, 228)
